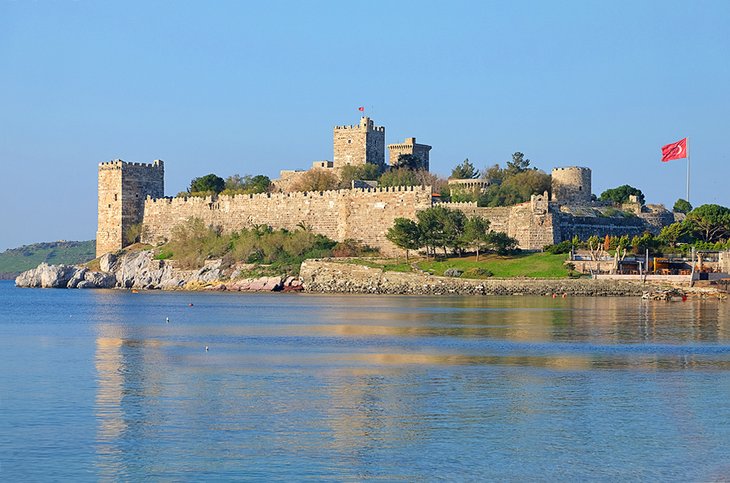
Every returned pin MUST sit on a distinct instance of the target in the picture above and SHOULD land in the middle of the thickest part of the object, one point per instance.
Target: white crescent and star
(679, 150)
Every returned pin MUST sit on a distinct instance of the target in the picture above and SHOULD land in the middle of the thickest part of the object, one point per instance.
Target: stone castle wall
(123, 188)
(360, 214)
(131, 193)
(584, 227)
(530, 223)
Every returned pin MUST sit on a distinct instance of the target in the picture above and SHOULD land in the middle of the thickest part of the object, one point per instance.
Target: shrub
(562, 247)
(353, 248)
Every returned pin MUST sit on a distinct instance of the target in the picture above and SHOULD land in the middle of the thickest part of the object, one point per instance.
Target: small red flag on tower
(676, 150)
(361, 109)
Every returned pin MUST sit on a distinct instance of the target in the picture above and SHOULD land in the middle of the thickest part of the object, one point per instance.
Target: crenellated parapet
(365, 124)
(363, 214)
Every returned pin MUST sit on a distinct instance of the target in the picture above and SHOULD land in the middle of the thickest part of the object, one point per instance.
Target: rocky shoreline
(327, 276)
(139, 270)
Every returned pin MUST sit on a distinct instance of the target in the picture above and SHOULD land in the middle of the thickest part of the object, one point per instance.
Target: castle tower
(571, 185)
(360, 144)
(410, 147)
(123, 188)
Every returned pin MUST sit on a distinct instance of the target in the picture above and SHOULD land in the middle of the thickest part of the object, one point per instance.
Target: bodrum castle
(133, 194)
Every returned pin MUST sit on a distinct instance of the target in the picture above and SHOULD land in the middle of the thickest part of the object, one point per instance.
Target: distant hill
(16, 260)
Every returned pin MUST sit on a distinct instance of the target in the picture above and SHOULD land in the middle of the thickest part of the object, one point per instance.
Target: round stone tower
(571, 185)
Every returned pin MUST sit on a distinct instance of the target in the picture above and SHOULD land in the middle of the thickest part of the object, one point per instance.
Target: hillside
(16, 260)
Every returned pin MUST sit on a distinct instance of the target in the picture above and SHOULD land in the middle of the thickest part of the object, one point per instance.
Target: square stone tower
(123, 188)
(359, 144)
(409, 147)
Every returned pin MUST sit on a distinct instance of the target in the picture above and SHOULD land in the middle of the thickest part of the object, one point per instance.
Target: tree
(409, 161)
(465, 170)
(501, 243)
(672, 234)
(493, 174)
(711, 223)
(528, 183)
(682, 206)
(476, 233)
(258, 184)
(500, 195)
(518, 164)
(405, 234)
(441, 227)
(621, 194)
(399, 177)
(351, 172)
(316, 179)
(207, 183)
(515, 184)
(644, 242)
(236, 184)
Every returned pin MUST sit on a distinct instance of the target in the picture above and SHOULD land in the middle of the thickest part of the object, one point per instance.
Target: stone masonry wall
(410, 146)
(109, 208)
(359, 144)
(123, 188)
(585, 227)
(360, 214)
(571, 185)
(532, 230)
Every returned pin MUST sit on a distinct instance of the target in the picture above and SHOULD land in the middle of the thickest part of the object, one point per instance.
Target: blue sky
(255, 87)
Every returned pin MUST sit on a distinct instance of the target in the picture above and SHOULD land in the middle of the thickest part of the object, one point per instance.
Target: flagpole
(687, 169)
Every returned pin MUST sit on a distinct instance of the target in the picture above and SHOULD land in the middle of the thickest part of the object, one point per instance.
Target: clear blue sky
(254, 87)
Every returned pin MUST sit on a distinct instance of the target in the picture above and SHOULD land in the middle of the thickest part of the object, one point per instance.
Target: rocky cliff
(141, 271)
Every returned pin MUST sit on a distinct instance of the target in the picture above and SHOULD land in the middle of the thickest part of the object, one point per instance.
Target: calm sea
(97, 385)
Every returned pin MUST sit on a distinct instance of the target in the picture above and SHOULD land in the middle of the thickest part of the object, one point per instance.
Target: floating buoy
(190, 305)
(206, 348)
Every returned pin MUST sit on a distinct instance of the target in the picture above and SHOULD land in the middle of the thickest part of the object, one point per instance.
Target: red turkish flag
(674, 151)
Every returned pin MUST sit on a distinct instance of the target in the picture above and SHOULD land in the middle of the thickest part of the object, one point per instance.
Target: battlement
(294, 195)
(572, 168)
(119, 164)
(357, 127)
(365, 123)
(459, 205)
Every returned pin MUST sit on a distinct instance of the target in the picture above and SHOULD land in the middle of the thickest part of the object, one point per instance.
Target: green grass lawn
(389, 265)
(533, 265)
